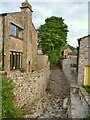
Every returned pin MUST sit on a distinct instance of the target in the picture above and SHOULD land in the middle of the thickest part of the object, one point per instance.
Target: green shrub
(8, 107)
(0, 58)
(88, 118)
(53, 58)
(1, 68)
(87, 88)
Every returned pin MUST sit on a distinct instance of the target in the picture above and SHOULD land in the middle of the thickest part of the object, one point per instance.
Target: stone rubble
(51, 104)
(65, 103)
(47, 107)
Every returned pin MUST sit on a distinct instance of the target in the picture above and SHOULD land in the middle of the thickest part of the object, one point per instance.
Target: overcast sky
(75, 13)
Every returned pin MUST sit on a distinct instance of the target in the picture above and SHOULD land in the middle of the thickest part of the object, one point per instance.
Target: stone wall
(84, 57)
(79, 107)
(34, 48)
(11, 43)
(29, 87)
(42, 61)
(66, 51)
(69, 69)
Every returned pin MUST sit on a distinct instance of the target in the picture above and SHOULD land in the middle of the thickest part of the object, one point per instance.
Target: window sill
(15, 70)
(16, 37)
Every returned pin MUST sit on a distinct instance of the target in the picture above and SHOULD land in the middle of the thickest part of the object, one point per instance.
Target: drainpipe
(3, 16)
(78, 54)
(77, 58)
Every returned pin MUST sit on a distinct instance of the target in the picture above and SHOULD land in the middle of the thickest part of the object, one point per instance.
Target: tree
(52, 38)
(71, 47)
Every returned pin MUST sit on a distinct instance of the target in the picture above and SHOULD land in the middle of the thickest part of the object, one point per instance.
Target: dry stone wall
(42, 61)
(79, 107)
(29, 87)
(69, 70)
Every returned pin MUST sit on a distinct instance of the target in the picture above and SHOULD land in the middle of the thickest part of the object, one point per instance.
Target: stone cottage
(68, 53)
(19, 39)
(84, 60)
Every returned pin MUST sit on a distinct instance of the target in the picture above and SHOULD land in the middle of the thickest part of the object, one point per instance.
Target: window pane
(15, 60)
(13, 30)
(19, 33)
(16, 31)
(11, 63)
(20, 60)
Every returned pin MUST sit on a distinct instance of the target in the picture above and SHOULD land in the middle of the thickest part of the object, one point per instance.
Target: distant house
(68, 53)
(19, 39)
(84, 60)
(72, 54)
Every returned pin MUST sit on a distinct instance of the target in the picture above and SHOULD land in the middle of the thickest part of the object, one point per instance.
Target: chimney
(26, 10)
(26, 5)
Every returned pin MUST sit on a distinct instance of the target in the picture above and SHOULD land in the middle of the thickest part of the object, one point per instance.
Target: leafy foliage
(71, 47)
(53, 57)
(88, 118)
(0, 56)
(52, 38)
(1, 68)
(87, 88)
(8, 107)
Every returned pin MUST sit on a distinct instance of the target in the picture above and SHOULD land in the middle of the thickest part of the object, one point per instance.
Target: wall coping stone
(85, 95)
(81, 90)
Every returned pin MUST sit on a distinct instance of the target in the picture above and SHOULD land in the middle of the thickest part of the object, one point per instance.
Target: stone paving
(51, 104)
(79, 107)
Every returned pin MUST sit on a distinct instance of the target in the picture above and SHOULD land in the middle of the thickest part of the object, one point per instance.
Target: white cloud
(7, 7)
(45, 1)
(76, 17)
(41, 12)
(1, 8)
(70, 9)
(77, 25)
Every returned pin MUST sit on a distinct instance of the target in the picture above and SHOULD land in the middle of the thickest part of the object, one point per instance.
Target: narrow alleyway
(58, 83)
(59, 88)
(51, 105)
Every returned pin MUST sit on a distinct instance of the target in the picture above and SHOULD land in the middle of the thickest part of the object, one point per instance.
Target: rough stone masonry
(29, 87)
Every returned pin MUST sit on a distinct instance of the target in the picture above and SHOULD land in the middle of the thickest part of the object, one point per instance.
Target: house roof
(5, 14)
(72, 53)
(84, 37)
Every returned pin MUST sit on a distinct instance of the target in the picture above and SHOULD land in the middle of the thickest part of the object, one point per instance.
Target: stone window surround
(17, 29)
(13, 66)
